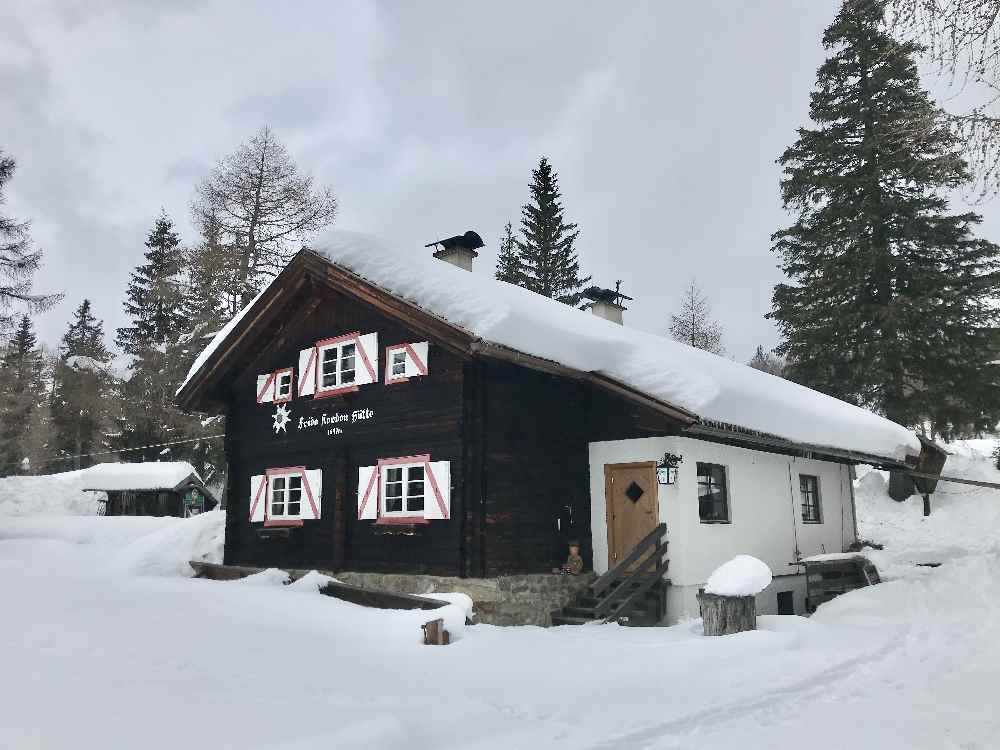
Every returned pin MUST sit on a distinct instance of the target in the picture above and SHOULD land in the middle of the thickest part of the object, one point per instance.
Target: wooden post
(435, 634)
(927, 504)
(725, 615)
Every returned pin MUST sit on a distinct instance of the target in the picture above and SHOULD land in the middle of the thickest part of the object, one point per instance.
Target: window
(403, 490)
(286, 496)
(337, 365)
(283, 385)
(809, 489)
(713, 498)
(397, 363)
(405, 361)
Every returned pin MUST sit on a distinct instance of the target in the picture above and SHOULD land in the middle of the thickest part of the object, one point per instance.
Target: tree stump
(435, 634)
(725, 615)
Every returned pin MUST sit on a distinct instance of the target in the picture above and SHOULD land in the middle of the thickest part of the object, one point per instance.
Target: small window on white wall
(809, 490)
(713, 493)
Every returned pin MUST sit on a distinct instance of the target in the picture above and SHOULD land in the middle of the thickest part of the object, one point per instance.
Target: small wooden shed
(830, 575)
(153, 488)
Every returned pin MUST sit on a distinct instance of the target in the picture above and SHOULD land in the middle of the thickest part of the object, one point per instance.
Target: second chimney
(459, 250)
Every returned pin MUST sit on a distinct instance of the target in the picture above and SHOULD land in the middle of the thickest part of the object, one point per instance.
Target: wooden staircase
(634, 592)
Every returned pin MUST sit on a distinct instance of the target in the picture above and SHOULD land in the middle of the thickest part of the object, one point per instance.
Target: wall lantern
(666, 470)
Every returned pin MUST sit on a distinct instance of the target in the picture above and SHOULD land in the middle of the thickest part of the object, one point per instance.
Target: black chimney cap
(469, 241)
(610, 296)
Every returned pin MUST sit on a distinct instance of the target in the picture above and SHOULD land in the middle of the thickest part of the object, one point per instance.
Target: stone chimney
(607, 303)
(459, 250)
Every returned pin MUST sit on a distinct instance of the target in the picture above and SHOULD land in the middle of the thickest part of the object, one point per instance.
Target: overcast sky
(663, 120)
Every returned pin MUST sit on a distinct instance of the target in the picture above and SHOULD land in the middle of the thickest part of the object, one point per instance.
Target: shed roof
(150, 475)
(710, 388)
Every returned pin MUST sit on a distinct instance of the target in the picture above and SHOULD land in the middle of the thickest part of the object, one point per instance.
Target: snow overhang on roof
(148, 476)
(707, 387)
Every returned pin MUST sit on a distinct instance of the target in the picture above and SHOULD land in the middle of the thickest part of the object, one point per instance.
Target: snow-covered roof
(150, 475)
(712, 387)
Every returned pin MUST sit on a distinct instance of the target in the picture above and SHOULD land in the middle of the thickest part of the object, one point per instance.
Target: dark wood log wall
(423, 415)
(537, 494)
(517, 440)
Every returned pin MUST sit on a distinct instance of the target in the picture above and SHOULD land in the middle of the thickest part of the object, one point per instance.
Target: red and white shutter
(265, 388)
(366, 370)
(258, 498)
(368, 490)
(437, 503)
(312, 486)
(307, 371)
(416, 359)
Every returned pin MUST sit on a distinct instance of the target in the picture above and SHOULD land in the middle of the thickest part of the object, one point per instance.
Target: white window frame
(303, 498)
(339, 346)
(404, 512)
(283, 378)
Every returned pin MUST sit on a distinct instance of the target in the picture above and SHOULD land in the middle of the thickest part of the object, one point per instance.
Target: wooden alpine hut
(396, 416)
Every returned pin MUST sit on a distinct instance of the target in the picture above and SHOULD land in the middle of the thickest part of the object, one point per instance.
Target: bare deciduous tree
(266, 209)
(694, 325)
(962, 42)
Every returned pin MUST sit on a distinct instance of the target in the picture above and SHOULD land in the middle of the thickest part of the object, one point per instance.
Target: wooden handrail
(620, 570)
(639, 591)
(608, 603)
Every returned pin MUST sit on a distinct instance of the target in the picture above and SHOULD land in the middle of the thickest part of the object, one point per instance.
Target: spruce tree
(18, 262)
(508, 259)
(693, 324)
(889, 302)
(549, 265)
(21, 390)
(154, 299)
(82, 385)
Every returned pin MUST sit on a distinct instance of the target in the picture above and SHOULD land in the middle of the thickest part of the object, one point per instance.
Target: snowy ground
(106, 645)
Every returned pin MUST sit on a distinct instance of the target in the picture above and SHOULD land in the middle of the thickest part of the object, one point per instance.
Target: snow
(964, 519)
(103, 612)
(53, 494)
(744, 575)
(710, 386)
(258, 664)
(834, 557)
(67, 492)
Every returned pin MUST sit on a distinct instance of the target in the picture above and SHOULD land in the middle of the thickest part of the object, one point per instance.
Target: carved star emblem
(281, 418)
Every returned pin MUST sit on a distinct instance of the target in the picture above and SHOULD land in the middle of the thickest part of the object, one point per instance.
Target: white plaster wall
(764, 507)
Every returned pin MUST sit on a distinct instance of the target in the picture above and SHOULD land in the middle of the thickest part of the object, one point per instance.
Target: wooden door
(631, 506)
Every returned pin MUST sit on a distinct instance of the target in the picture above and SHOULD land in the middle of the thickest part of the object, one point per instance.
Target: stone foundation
(508, 600)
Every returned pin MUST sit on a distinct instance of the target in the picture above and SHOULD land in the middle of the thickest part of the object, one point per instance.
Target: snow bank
(53, 494)
(166, 551)
(964, 520)
(712, 387)
(66, 493)
(744, 575)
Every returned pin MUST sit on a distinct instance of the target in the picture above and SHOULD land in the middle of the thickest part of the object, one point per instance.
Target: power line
(123, 450)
